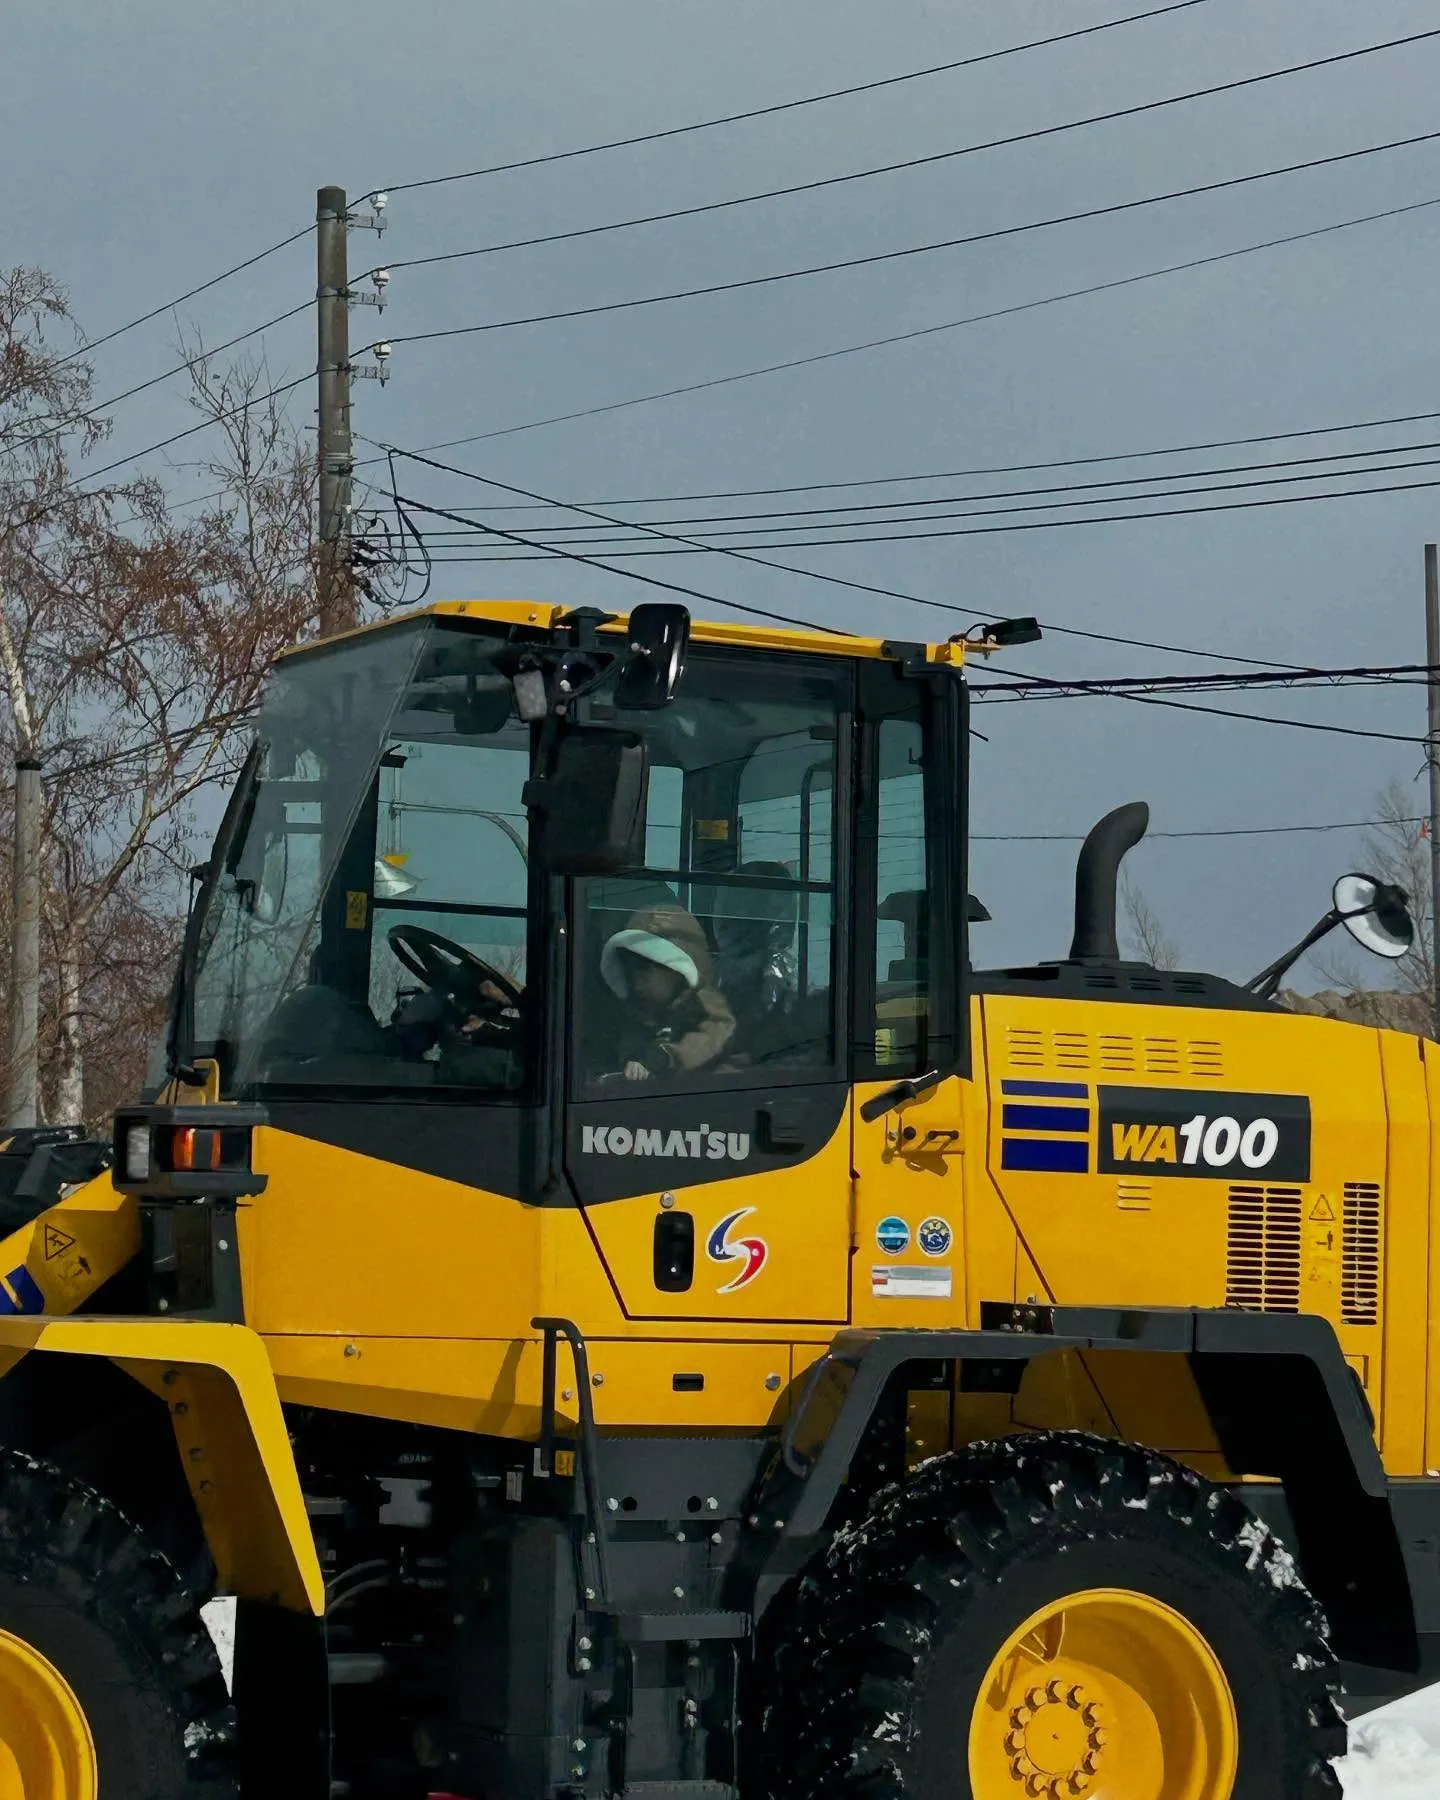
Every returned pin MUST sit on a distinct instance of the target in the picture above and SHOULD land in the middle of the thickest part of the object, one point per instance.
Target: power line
(754, 519)
(761, 112)
(940, 156)
(232, 412)
(1061, 837)
(902, 337)
(180, 299)
(697, 546)
(1042, 687)
(590, 562)
(979, 510)
(1068, 462)
(811, 574)
(806, 272)
(813, 625)
(189, 362)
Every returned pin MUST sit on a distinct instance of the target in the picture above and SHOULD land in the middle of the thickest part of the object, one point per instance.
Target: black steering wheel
(449, 969)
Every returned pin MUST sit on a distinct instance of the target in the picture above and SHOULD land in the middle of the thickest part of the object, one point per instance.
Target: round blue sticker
(934, 1236)
(893, 1236)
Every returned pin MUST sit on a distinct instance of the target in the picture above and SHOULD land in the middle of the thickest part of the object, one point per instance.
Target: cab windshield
(367, 926)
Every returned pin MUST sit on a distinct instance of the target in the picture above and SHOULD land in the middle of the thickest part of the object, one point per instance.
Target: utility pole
(335, 600)
(1432, 757)
(23, 1100)
(337, 590)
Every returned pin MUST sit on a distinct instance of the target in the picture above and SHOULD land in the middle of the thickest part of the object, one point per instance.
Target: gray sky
(153, 143)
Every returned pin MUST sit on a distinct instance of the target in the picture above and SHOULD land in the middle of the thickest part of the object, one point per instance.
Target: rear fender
(217, 1384)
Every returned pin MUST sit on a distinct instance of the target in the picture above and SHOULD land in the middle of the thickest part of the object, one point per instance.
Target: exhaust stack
(1097, 876)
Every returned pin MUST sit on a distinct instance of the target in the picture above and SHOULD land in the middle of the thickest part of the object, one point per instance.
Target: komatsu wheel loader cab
(626, 1309)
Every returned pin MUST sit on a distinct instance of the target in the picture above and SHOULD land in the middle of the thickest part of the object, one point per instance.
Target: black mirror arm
(1266, 984)
(889, 1098)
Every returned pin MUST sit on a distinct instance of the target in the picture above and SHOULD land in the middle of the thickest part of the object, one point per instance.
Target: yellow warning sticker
(1322, 1212)
(357, 909)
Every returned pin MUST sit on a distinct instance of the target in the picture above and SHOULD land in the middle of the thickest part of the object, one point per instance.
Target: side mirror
(658, 634)
(590, 807)
(1376, 914)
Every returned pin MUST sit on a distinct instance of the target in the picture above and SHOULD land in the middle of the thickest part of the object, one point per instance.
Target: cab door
(706, 1134)
(908, 1043)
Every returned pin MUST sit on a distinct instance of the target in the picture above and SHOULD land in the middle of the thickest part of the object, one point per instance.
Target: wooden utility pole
(1432, 757)
(335, 601)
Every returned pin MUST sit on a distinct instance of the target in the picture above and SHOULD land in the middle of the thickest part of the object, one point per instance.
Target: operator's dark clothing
(692, 1030)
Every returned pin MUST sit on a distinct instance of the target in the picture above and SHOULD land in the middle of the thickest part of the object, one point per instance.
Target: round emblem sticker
(893, 1236)
(934, 1236)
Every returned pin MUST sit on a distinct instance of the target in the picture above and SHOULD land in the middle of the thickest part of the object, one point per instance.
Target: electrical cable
(1060, 837)
(761, 112)
(810, 270)
(919, 162)
(754, 519)
(902, 337)
(233, 412)
(913, 537)
(672, 587)
(789, 568)
(180, 299)
(189, 362)
(1064, 462)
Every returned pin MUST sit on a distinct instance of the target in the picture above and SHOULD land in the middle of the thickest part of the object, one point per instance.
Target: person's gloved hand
(636, 1071)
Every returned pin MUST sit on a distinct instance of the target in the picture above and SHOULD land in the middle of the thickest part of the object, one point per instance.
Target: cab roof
(545, 615)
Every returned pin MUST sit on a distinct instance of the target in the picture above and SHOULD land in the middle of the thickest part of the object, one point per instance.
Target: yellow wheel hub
(1109, 1694)
(46, 1750)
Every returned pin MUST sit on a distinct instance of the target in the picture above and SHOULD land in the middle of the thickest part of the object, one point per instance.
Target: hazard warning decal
(1183, 1131)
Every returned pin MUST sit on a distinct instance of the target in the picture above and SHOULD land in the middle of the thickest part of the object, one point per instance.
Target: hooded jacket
(692, 1029)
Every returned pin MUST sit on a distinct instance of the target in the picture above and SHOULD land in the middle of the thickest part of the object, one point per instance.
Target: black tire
(880, 1655)
(81, 1585)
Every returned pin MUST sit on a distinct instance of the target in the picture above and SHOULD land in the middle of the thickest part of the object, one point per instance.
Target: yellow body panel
(217, 1382)
(70, 1250)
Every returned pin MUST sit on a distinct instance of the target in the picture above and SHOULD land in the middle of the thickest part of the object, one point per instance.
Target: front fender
(217, 1383)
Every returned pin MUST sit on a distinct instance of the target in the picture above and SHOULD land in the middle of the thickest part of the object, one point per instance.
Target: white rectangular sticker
(915, 1281)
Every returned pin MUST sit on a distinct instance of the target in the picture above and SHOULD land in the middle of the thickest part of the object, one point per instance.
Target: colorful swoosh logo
(752, 1252)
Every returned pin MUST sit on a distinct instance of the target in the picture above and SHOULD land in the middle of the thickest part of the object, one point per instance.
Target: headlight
(137, 1153)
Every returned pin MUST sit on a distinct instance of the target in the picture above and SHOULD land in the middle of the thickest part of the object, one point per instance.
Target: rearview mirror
(1375, 913)
(590, 808)
(658, 634)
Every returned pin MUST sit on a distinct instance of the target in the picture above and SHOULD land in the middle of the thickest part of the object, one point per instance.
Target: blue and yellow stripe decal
(20, 1293)
(1045, 1127)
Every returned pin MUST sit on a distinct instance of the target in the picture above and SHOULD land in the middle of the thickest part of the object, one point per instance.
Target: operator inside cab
(672, 1016)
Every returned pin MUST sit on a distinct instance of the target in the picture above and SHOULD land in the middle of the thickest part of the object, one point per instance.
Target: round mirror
(1375, 913)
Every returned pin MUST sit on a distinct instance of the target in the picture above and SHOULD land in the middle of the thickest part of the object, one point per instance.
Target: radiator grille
(1112, 1053)
(1360, 1265)
(1262, 1267)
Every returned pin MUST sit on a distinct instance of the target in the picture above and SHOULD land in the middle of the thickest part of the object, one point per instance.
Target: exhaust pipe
(1097, 876)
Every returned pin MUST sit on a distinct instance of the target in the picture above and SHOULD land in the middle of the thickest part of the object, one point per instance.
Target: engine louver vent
(1360, 1257)
(1262, 1265)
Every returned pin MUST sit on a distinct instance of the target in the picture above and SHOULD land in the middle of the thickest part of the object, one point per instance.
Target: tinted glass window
(715, 960)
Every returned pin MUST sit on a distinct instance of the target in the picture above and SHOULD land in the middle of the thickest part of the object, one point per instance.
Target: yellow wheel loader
(626, 1307)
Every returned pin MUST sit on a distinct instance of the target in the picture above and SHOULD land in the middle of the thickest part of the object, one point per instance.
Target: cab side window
(716, 960)
(899, 858)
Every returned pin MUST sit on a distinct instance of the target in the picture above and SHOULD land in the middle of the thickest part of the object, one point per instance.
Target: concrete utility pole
(335, 600)
(1432, 757)
(23, 1100)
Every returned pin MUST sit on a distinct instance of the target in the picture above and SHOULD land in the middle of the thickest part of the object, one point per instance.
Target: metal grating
(1360, 1255)
(1162, 1056)
(1206, 1060)
(1072, 1050)
(1262, 1262)
(1026, 1047)
(1117, 1054)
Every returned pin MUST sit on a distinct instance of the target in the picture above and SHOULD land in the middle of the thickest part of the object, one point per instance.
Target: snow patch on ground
(1395, 1752)
(219, 1617)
